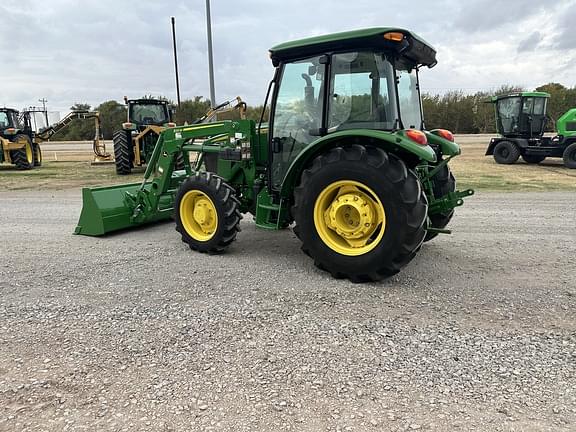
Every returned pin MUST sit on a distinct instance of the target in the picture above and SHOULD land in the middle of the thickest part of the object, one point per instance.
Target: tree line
(473, 113)
(455, 110)
(113, 114)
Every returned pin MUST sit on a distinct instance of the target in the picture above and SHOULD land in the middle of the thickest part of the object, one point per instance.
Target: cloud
(487, 15)
(91, 52)
(566, 38)
(530, 43)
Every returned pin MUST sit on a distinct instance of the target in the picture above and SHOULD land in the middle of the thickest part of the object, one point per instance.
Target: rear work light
(171, 124)
(417, 136)
(446, 134)
(394, 36)
(127, 125)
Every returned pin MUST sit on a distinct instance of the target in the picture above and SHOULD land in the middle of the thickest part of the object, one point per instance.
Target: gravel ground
(136, 332)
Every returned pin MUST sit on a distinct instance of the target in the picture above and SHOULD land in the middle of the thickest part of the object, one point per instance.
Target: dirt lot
(136, 332)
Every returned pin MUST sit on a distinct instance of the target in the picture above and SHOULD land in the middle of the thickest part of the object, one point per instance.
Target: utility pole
(210, 60)
(44, 100)
(175, 59)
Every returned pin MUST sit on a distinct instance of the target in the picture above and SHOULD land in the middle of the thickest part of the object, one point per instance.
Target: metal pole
(44, 100)
(175, 58)
(210, 60)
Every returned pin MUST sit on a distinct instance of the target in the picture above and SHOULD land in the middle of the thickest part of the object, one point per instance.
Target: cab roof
(521, 94)
(411, 46)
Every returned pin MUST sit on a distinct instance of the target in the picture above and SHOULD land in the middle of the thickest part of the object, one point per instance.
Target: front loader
(345, 157)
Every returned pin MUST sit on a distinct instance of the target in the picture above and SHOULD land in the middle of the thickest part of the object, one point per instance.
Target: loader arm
(107, 209)
(98, 143)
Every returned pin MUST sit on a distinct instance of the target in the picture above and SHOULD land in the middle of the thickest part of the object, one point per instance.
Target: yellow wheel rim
(29, 153)
(198, 215)
(349, 218)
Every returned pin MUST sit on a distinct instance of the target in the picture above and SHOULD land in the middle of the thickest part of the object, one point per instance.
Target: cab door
(297, 113)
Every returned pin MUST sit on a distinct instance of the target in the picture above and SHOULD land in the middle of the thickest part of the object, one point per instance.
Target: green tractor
(18, 143)
(521, 121)
(134, 143)
(345, 156)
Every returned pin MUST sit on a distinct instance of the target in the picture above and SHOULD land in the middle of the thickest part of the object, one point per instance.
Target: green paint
(566, 124)
(389, 141)
(448, 148)
(520, 94)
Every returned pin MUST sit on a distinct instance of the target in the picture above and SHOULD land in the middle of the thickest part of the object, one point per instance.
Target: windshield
(508, 110)
(362, 92)
(149, 113)
(4, 121)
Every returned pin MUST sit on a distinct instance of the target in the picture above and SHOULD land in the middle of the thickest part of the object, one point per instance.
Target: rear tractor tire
(123, 152)
(569, 156)
(23, 158)
(360, 213)
(443, 182)
(506, 153)
(37, 155)
(207, 213)
(533, 159)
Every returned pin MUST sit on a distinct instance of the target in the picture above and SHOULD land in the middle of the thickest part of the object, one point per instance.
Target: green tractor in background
(18, 145)
(345, 156)
(134, 143)
(521, 120)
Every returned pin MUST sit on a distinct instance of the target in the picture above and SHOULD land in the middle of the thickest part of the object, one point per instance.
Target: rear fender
(448, 148)
(391, 142)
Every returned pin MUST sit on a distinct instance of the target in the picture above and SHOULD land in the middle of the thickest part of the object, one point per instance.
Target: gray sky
(96, 50)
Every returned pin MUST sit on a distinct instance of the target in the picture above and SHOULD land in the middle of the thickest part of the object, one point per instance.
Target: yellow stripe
(201, 127)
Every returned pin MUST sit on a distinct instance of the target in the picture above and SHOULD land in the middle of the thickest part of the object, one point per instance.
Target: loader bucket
(106, 209)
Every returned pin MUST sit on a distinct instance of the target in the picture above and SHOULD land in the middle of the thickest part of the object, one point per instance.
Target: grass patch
(474, 170)
(63, 175)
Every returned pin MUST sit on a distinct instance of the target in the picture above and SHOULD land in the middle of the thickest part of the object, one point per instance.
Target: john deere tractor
(17, 140)
(521, 121)
(345, 157)
(134, 143)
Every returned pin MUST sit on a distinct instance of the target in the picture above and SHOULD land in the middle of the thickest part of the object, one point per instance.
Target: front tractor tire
(443, 183)
(23, 158)
(207, 213)
(569, 156)
(506, 152)
(123, 152)
(360, 213)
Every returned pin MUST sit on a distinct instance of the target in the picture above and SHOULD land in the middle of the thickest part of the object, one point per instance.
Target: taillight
(417, 136)
(446, 134)
(10, 131)
(127, 125)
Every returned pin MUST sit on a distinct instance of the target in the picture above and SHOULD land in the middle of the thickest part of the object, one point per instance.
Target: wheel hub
(199, 216)
(351, 216)
(203, 212)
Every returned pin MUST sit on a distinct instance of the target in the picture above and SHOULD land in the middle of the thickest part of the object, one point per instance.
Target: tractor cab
(521, 115)
(343, 84)
(9, 121)
(148, 112)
